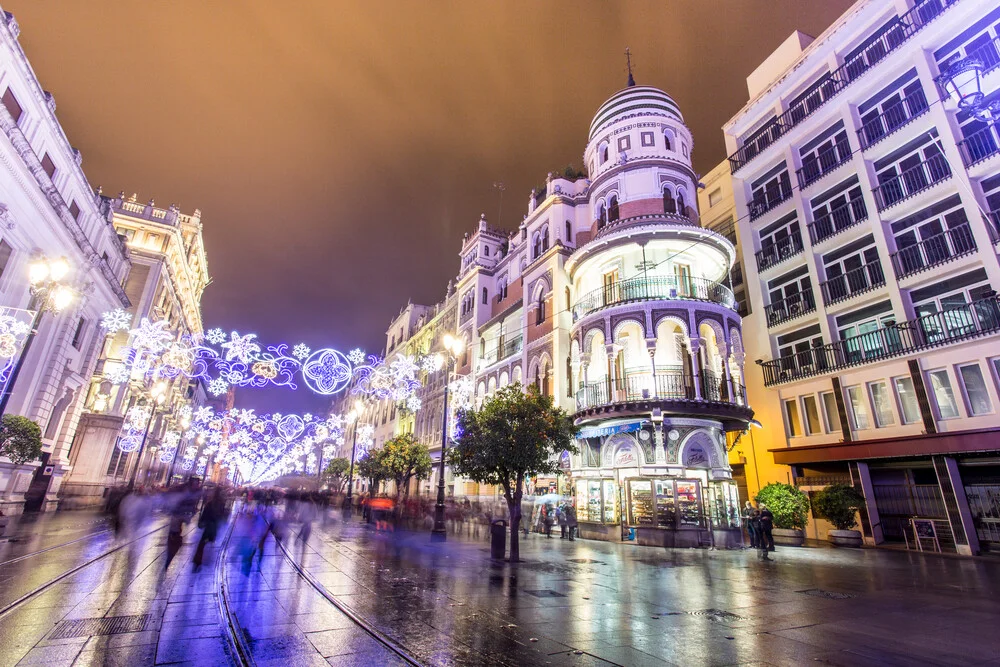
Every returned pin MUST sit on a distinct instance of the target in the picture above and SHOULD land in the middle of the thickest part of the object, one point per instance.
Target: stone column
(609, 350)
(871, 525)
(693, 346)
(651, 348)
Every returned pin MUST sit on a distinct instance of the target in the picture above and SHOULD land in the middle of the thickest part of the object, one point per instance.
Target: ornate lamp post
(159, 395)
(454, 348)
(961, 79)
(353, 416)
(48, 292)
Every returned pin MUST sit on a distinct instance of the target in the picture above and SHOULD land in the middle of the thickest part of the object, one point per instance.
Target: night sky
(339, 151)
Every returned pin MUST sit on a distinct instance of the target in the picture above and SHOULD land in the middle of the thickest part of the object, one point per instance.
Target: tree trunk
(514, 508)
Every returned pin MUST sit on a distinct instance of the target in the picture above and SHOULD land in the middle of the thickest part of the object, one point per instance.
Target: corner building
(868, 209)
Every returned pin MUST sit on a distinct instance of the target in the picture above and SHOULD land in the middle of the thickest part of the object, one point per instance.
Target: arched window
(486, 251)
(536, 246)
(538, 378)
(684, 149)
(486, 297)
(545, 382)
(613, 209)
(603, 151)
(569, 377)
(602, 216)
(666, 141)
(540, 314)
(545, 238)
(482, 347)
(569, 232)
(669, 205)
(681, 206)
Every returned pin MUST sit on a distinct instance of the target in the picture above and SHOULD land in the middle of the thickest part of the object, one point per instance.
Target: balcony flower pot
(788, 537)
(844, 538)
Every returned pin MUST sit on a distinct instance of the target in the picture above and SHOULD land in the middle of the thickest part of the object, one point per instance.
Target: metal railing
(815, 167)
(988, 54)
(653, 288)
(892, 118)
(503, 349)
(914, 180)
(765, 201)
(779, 251)
(673, 385)
(888, 41)
(980, 146)
(838, 220)
(953, 325)
(993, 225)
(856, 281)
(933, 251)
(790, 307)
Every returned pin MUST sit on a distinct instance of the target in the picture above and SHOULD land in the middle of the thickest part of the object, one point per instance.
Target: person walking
(747, 521)
(212, 513)
(571, 521)
(547, 519)
(766, 539)
(563, 522)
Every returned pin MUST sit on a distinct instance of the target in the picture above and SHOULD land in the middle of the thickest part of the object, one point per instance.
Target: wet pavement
(567, 603)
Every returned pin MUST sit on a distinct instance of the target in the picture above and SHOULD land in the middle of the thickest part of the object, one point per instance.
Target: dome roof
(632, 101)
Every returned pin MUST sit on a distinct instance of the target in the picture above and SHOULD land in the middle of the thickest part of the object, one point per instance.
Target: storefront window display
(597, 500)
(681, 503)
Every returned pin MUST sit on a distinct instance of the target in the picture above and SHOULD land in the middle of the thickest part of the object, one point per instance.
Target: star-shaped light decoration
(151, 336)
(204, 413)
(242, 348)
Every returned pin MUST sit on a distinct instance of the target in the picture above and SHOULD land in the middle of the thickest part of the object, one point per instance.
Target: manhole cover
(714, 614)
(546, 593)
(585, 560)
(830, 595)
(95, 627)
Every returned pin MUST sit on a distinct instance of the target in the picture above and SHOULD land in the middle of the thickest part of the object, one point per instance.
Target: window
(569, 377)
(48, 166)
(830, 411)
(823, 154)
(811, 410)
(486, 251)
(714, 197)
(486, 297)
(681, 205)
(946, 308)
(540, 316)
(684, 149)
(976, 393)
(13, 106)
(909, 407)
(769, 191)
(944, 397)
(669, 204)
(613, 208)
(603, 152)
(879, 392)
(852, 269)
(568, 304)
(74, 211)
(792, 417)
(5, 252)
(879, 118)
(909, 170)
(868, 333)
(836, 210)
(647, 139)
(779, 241)
(624, 143)
(666, 141)
(789, 295)
(859, 412)
(569, 232)
(931, 237)
(602, 216)
(78, 335)
(545, 238)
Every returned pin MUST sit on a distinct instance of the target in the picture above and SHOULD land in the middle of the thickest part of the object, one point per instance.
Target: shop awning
(627, 427)
(961, 442)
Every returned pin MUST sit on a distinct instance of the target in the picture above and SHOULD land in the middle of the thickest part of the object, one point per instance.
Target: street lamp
(352, 417)
(159, 394)
(454, 347)
(961, 79)
(48, 292)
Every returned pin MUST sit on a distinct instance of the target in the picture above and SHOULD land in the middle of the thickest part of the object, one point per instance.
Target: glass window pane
(909, 408)
(832, 414)
(665, 503)
(641, 497)
(975, 389)
(812, 415)
(610, 501)
(883, 406)
(944, 397)
(859, 412)
(792, 415)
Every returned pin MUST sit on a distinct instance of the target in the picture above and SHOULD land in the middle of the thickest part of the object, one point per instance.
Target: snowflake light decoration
(356, 356)
(432, 363)
(218, 387)
(215, 336)
(116, 320)
(301, 351)
(413, 404)
(171, 439)
(151, 336)
(117, 374)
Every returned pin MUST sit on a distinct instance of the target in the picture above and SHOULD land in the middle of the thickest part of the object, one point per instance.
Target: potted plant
(839, 504)
(790, 508)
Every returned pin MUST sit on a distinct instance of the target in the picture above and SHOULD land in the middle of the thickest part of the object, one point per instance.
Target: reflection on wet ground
(568, 603)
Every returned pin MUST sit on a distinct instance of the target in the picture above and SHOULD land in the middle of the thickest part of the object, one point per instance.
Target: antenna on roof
(628, 63)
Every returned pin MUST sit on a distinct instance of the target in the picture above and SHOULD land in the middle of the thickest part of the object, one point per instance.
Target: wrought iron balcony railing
(934, 251)
(856, 281)
(885, 43)
(980, 146)
(779, 251)
(765, 202)
(816, 167)
(953, 325)
(993, 224)
(674, 385)
(504, 348)
(892, 118)
(912, 181)
(653, 288)
(790, 307)
(838, 220)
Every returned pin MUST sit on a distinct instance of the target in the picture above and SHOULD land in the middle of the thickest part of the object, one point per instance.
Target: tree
(511, 438)
(336, 472)
(371, 467)
(20, 439)
(789, 505)
(839, 504)
(403, 458)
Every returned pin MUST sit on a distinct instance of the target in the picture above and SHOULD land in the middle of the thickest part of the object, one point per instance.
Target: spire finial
(628, 63)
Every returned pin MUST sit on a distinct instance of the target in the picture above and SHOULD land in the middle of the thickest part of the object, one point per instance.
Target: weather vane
(628, 64)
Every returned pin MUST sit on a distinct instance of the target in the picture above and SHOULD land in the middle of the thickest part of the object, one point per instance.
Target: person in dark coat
(748, 512)
(212, 514)
(766, 526)
(571, 521)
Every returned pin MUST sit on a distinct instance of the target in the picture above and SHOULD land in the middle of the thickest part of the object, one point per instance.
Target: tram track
(235, 637)
(55, 546)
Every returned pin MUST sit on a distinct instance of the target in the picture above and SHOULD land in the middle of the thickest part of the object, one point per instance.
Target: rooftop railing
(837, 220)
(911, 182)
(880, 46)
(653, 288)
(934, 251)
(966, 322)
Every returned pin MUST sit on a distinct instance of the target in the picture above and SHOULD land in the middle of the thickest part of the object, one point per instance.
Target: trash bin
(498, 539)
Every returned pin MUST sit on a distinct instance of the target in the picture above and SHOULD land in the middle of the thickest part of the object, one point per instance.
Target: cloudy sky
(338, 151)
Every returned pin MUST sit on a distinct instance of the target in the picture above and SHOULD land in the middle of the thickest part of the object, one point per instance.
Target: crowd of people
(759, 522)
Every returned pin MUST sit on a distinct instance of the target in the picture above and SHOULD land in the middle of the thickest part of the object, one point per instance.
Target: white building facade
(868, 208)
(48, 208)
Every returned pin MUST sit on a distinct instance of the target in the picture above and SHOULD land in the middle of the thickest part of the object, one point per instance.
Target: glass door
(610, 501)
(688, 503)
(666, 515)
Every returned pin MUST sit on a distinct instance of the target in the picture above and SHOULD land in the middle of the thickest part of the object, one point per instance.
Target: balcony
(934, 251)
(779, 251)
(674, 385)
(503, 349)
(653, 288)
(980, 146)
(818, 166)
(993, 224)
(863, 279)
(762, 204)
(988, 54)
(892, 118)
(790, 307)
(911, 182)
(882, 45)
(954, 325)
(838, 220)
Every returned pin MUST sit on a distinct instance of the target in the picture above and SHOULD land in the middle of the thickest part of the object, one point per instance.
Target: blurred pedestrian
(307, 514)
(563, 522)
(571, 521)
(766, 526)
(212, 514)
(748, 511)
(547, 519)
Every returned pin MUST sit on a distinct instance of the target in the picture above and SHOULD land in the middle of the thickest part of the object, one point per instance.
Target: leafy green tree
(372, 467)
(336, 473)
(20, 439)
(403, 458)
(789, 505)
(514, 436)
(839, 504)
